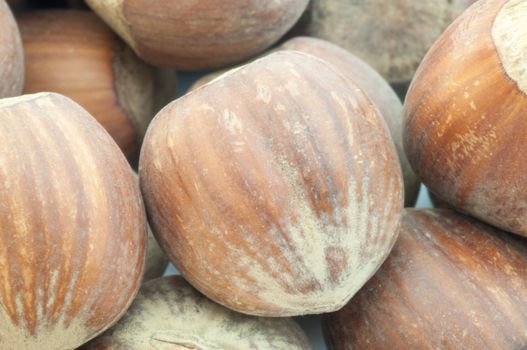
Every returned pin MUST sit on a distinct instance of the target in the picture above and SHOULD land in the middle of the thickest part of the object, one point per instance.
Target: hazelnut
(450, 282)
(198, 34)
(362, 74)
(276, 188)
(74, 53)
(375, 87)
(391, 35)
(465, 115)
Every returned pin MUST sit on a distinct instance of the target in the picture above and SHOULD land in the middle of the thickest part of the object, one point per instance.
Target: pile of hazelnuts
(280, 184)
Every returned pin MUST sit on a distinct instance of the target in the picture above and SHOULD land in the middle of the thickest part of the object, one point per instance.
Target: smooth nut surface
(72, 225)
(275, 189)
(465, 122)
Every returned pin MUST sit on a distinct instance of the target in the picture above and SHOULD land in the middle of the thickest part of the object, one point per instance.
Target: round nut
(275, 189)
(377, 89)
(390, 35)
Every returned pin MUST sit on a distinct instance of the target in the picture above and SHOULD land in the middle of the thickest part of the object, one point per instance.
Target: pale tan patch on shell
(509, 34)
(60, 336)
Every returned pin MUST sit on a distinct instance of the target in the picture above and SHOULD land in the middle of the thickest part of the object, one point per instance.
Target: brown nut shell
(72, 225)
(450, 282)
(377, 89)
(169, 314)
(275, 189)
(199, 34)
(465, 115)
(75, 54)
(390, 35)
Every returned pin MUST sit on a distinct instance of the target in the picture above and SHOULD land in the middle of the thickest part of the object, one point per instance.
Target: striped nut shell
(450, 282)
(465, 115)
(72, 225)
(11, 54)
(391, 35)
(169, 314)
(377, 89)
(276, 188)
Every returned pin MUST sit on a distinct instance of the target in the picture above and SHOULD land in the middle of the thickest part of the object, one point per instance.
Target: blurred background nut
(169, 313)
(450, 283)
(390, 35)
(156, 260)
(465, 115)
